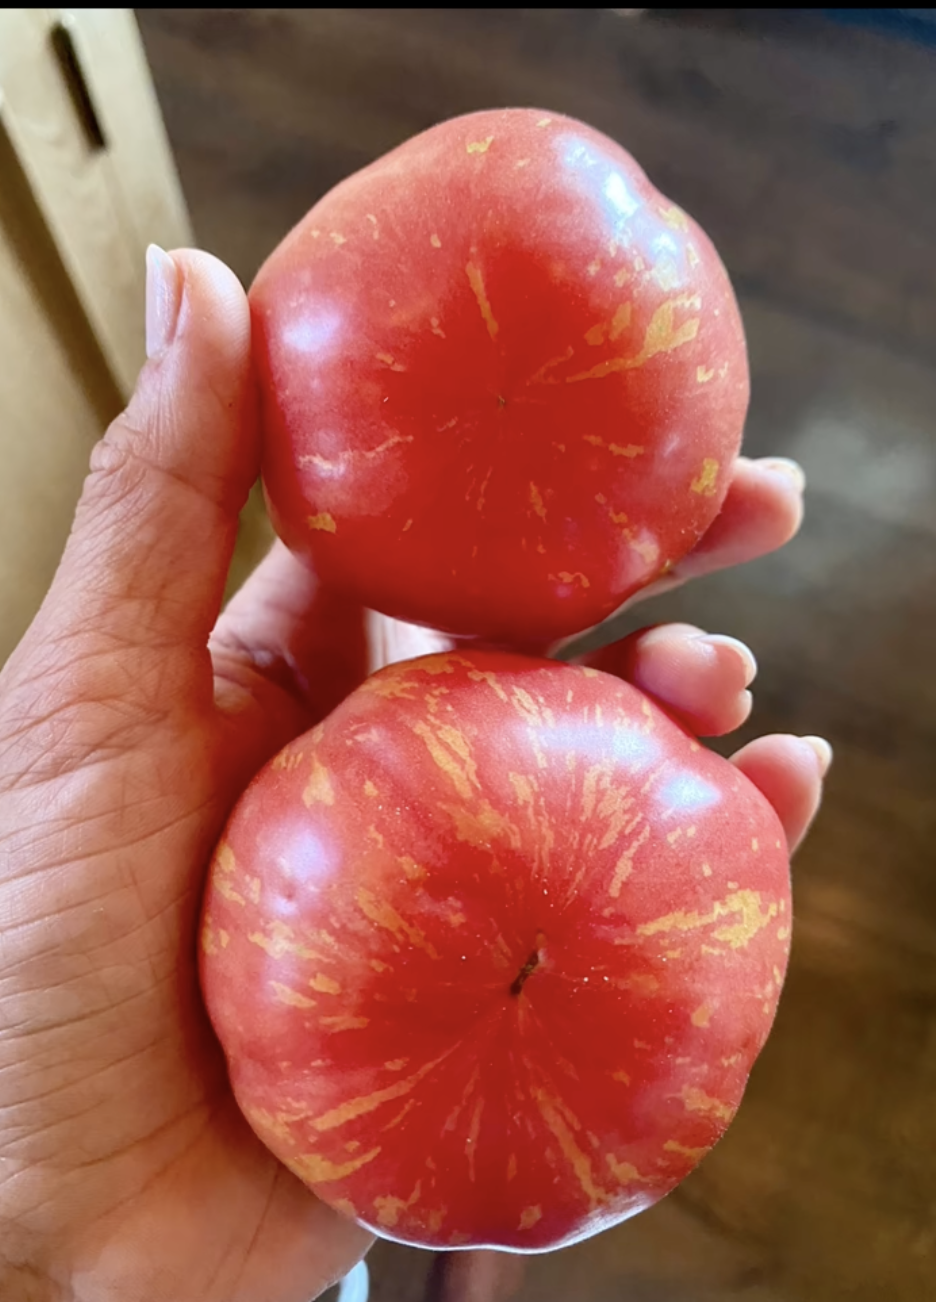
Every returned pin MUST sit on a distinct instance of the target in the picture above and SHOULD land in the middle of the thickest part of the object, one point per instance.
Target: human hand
(131, 718)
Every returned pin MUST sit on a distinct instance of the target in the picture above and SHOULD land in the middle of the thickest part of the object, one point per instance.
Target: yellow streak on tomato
(696, 1100)
(324, 520)
(578, 1160)
(674, 1146)
(369, 788)
(224, 859)
(414, 871)
(702, 1015)
(281, 942)
(314, 1169)
(391, 686)
(435, 241)
(396, 1064)
(536, 501)
(540, 376)
(325, 984)
(706, 482)
(621, 320)
(525, 787)
(344, 1022)
(287, 760)
(224, 887)
(566, 576)
(621, 277)
(543, 122)
(675, 218)
(208, 942)
(642, 983)
(662, 336)
(389, 1208)
(521, 162)
(621, 1076)
(404, 1111)
(594, 267)
(626, 1172)
(511, 1167)
(471, 1139)
(286, 995)
(529, 1217)
(384, 915)
(351, 1109)
(666, 274)
(476, 281)
(746, 903)
(482, 825)
(625, 864)
(268, 1122)
(451, 753)
(616, 449)
(318, 789)
(479, 146)
(692, 256)
(704, 373)
(389, 360)
(597, 334)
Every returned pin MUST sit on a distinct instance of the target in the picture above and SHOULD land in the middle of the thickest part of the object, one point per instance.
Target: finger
(702, 678)
(789, 771)
(284, 630)
(762, 511)
(143, 573)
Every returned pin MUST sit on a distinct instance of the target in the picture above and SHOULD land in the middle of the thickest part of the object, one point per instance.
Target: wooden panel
(74, 224)
(56, 396)
(100, 205)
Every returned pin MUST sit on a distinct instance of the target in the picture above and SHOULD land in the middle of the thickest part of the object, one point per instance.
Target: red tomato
(491, 951)
(503, 379)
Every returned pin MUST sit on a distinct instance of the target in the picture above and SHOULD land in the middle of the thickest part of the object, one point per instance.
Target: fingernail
(823, 752)
(741, 651)
(163, 297)
(786, 466)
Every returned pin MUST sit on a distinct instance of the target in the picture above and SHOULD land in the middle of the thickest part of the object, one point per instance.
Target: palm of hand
(127, 1171)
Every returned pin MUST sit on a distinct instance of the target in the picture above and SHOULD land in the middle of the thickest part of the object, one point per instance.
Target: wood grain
(808, 150)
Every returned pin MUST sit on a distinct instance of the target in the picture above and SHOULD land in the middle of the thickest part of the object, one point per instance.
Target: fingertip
(701, 678)
(823, 752)
(788, 771)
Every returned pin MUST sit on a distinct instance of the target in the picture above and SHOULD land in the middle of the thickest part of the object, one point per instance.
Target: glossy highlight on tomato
(491, 951)
(503, 379)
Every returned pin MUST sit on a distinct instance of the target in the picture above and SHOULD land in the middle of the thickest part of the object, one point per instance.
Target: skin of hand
(132, 715)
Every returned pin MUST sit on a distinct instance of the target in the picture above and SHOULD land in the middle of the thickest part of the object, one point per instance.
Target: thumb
(141, 581)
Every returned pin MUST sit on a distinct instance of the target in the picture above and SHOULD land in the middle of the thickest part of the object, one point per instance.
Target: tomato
(503, 379)
(491, 951)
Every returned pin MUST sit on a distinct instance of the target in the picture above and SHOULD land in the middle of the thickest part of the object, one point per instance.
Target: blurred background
(804, 142)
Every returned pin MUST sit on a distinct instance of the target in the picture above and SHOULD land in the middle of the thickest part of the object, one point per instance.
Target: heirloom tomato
(503, 379)
(491, 951)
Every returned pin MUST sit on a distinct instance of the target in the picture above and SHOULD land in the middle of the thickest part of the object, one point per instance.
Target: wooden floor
(808, 151)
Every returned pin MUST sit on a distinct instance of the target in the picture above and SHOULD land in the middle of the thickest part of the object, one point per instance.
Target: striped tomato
(491, 951)
(503, 379)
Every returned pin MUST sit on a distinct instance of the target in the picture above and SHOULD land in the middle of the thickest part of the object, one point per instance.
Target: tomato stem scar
(529, 966)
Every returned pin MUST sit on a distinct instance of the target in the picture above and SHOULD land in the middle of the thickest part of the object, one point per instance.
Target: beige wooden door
(86, 182)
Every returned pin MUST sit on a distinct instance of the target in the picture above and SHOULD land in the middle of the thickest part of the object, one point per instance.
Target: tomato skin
(503, 379)
(491, 951)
